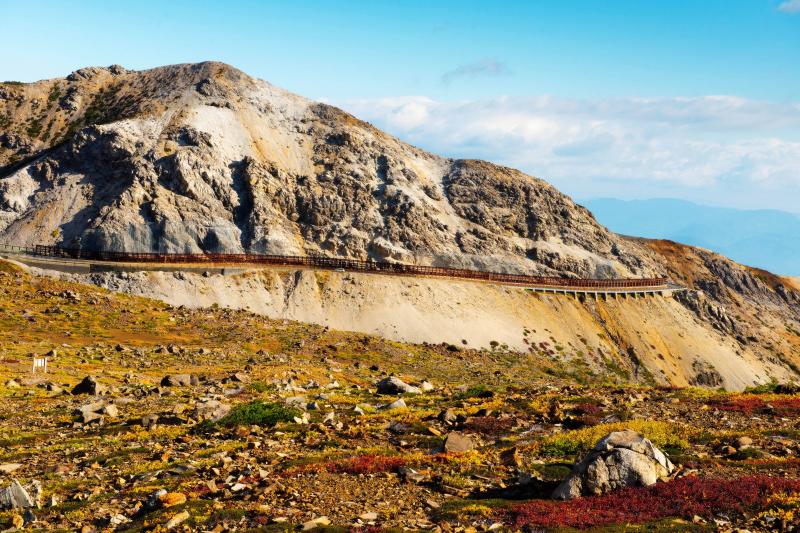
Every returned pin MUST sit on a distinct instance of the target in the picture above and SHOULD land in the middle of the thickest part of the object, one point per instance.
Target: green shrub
(747, 453)
(477, 391)
(573, 443)
(764, 388)
(258, 413)
(260, 386)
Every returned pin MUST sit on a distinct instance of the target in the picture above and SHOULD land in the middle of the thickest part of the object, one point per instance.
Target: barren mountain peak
(202, 157)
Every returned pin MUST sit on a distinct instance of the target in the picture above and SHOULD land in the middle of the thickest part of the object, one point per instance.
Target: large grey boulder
(90, 385)
(180, 380)
(15, 496)
(620, 459)
(394, 385)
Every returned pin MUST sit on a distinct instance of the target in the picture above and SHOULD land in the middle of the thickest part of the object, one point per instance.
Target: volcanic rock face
(194, 158)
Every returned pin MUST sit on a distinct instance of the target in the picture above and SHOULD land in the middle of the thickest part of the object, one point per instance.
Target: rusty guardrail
(333, 263)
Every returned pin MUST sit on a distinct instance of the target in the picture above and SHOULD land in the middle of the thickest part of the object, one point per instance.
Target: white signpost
(39, 362)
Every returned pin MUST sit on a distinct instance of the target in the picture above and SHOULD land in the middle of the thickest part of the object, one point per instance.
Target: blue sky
(695, 99)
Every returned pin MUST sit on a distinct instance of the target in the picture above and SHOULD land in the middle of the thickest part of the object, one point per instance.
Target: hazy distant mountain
(767, 239)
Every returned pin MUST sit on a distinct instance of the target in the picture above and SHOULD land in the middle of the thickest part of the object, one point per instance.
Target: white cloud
(703, 142)
(790, 6)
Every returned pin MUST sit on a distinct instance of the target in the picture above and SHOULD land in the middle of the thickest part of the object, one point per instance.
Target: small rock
(458, 442)
(110, 410)
(744, 442)
(177, 520)
(89, 385)
(728, 450)
(432, 504)
(448, 417)
(239, 377)
(9, 467)
(320, 521)
(171, 499)
(368, 517)
(397, 404)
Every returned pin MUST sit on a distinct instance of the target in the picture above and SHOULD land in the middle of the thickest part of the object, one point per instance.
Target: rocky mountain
(193, 158)
(203, 158)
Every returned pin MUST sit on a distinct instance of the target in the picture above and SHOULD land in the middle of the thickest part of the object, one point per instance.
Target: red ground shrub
(588, 409)
(754, 404)
(366, 464)
(680, 498)
(489, 425)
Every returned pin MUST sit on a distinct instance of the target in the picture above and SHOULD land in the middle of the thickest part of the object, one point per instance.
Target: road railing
(333, 263)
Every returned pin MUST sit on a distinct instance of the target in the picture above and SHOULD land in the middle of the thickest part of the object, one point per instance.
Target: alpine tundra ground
(276, 425)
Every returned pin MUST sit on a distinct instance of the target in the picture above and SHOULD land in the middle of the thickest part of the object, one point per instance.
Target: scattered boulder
(110, 410)
(177, 520)
(95, 411)
(318, 522)
(12, 384)
(149, 421)
(394, 385)
(448, 417)
(397, 404)
(412, 476)
(238, 377)
(210, 409)
(9, 467)
(15, 496)
(458, 442)
(90, 385)
(179, 380)
(170, 499)
(620, 459)
(52, 387)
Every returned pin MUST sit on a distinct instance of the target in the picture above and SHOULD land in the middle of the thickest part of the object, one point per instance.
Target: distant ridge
(764, 238)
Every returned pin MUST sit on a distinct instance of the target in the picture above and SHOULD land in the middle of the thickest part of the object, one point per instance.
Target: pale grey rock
(397, 404)
(394, 385)
(95, 412)
(620, 459)
(15, 496)
(7, 468)
(211, 409)
(458, 443)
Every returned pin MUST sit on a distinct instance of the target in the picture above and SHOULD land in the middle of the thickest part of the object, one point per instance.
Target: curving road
(548, 283)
